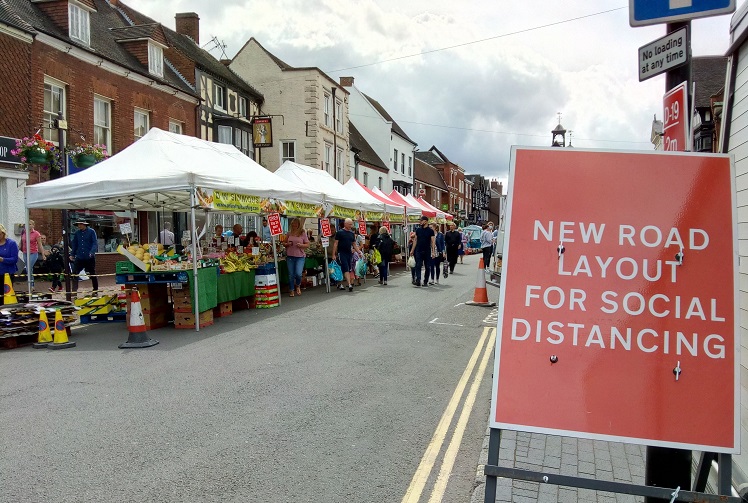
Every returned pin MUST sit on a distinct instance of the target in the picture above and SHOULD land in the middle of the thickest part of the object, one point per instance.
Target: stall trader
(84, 247)
(266, 235)
(237, 229)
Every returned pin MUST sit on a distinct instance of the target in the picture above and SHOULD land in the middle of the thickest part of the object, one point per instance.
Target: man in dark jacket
(453, 241)
(84, 247)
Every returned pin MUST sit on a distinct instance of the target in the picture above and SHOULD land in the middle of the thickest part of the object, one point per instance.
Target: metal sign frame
(648, 12)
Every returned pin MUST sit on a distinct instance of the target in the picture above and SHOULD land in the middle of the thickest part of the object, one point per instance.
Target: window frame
(242, 107)
(338, 116)
(395, 162)
(177, 123)
(79, 23)
(147, 116)
(327, 162)
(326, 110)
(402, 162)
(339, 165)
(283, 157)
(366, 178)
(216, 88)
(50, 116)
(155, 59)
(107, 127)
(223, 127)
(410, 166)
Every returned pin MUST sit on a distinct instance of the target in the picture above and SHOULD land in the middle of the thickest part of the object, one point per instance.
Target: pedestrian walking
(296, 244)
(453, 242)
(8, 257)
(463, 244)
(411, 241)
(55, 265)
(36, 247)
(343, 248)
(423, 250)
(486, 245)
(84, 247)
(386, 246)
(438, 258)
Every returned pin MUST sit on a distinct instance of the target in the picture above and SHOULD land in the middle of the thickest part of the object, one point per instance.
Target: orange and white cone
(9, 296)
(45, 336)
(61, 334)
(480, 297)
(138, 337)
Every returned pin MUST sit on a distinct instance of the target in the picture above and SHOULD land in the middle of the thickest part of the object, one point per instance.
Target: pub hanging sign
(262, 132)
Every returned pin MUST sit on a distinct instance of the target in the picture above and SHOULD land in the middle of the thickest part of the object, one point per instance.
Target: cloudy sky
(472, 77)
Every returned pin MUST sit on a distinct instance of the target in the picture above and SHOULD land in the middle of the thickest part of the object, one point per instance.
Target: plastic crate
(125, 267)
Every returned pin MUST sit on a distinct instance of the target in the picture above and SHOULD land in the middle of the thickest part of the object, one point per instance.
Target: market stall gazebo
(165, 171)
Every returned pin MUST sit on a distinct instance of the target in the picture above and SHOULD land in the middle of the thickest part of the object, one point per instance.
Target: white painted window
(219, 93)
(327, 109)
(103, 122)
(339, 165)
(380, 183)
(54, 101)
(175, 127)
(328, 157)
(395, 161)
(366, 178)
(338, 117)
(155, 59)
(402, 162)
(242, 107)
(79, 23)
(410, 166)
(141, 123)
(288, 151)
(225, 135)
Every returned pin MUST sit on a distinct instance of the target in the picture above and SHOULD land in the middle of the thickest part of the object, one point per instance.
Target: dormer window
(155, 60)
(79, 23)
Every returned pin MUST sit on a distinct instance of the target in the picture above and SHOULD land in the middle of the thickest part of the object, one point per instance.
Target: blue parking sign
(646, 12)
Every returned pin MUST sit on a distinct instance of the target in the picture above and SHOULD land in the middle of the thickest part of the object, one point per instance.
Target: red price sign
(386, 225)
(361, 227)
(675, 125)
(274, 222)
(325, 225)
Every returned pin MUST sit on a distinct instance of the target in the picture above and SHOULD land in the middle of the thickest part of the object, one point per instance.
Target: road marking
(434, 322)
(493, 317)
(420, 477)
(460, 304)
(454, 445)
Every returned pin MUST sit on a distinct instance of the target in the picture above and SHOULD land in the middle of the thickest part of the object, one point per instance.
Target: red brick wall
(139, 49)
(57, 11)
(24, 66)
(183, 64)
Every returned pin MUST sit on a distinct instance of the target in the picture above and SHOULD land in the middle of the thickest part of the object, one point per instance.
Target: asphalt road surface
(379, 395)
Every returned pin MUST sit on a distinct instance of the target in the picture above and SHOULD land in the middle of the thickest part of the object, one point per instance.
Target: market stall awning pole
(327, 272)
(193, 235)
(27, 255)
(277, 271)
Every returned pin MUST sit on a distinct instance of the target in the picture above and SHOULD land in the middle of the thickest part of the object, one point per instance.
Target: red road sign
(325, 225)
(589, 339)
(675, 124)
(274, 222)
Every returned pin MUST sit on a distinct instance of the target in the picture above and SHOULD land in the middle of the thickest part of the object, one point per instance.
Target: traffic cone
(61, 334)
(138, 337)
(480, 297)
(9, 296)
(45, 336)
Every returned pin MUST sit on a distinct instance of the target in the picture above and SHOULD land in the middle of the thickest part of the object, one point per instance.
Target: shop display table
(235, 285)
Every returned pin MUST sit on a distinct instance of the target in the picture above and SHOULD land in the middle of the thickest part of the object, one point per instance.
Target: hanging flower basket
(84, 160)
(86, 155)
(33, 150)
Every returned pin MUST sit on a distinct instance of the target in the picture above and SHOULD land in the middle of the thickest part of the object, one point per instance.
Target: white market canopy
(158, 171)
(363, 193)
(319, 180)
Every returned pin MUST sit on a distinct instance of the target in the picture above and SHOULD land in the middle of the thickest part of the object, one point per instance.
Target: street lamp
(62, 125)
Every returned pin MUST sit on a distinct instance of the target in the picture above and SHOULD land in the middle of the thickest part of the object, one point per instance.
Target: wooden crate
(187, 320)
(223, 309)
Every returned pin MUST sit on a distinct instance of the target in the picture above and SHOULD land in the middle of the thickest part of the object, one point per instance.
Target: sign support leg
(702, 472)
(725, 474)
(494, 444)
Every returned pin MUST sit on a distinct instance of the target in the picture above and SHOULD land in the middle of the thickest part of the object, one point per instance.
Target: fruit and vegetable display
(233, 262)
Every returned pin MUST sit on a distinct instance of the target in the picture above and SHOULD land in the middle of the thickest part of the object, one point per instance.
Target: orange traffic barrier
(480, 297)
(138, 337)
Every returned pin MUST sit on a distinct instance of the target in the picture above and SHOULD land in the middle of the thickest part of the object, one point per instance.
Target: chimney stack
(188, 23)
(346, 81)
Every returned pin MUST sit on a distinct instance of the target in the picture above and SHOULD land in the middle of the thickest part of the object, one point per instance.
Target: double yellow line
(425, 467)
